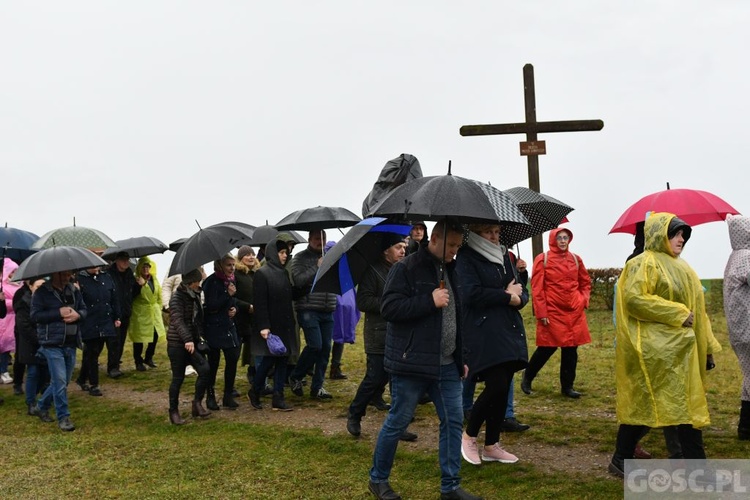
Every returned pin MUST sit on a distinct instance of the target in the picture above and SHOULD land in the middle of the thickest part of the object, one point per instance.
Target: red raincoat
(560, 291)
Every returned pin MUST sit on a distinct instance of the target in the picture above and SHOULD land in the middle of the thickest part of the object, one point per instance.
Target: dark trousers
(337, 352)
(150, 350)
(114, 351)
(690, 438)
(489, 407)
(18, 370)
(92, 348)
(371, 387)
(179, 359)
(231, 357)
(278, 364)
(568, 364)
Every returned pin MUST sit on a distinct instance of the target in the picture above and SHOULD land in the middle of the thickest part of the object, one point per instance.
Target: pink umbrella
(691, 205)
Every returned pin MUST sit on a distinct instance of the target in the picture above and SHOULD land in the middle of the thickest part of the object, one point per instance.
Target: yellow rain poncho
(146, 316)
(660, 364)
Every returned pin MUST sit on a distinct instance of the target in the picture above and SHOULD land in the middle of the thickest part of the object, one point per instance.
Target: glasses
(563, 237)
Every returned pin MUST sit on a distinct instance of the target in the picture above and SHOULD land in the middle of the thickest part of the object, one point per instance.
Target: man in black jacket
(423, 353)
(126, 289)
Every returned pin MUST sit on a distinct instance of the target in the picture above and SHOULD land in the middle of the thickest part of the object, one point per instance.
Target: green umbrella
(74, 236)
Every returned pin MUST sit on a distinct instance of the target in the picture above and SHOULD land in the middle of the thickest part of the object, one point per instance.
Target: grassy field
(126, 450)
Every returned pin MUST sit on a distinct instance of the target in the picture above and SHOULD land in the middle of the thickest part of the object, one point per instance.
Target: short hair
(450, 224)
(479, 228)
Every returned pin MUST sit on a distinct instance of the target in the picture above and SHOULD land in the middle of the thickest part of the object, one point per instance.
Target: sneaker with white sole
(296, 386)
(322, 394)
(469, 449)
(189, 370)
(5, 378)
(496, 454)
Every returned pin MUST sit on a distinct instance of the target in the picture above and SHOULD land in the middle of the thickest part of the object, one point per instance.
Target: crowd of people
(441, 320)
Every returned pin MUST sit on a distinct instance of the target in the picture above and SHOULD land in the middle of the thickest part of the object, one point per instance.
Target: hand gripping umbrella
(55, 260)
(345, 263)
(544, 213)
(136, 247)
(691, 205)
(209, 244)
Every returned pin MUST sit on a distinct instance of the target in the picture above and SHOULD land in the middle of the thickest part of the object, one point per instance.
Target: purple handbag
(275, 345)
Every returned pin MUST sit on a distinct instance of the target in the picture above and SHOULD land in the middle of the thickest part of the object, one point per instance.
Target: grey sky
(139, 117)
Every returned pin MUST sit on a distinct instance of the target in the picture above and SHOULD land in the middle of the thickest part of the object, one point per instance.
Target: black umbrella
(315, 218)
(436, 197)
(346, 262)
(16, 243)
(55, 260)
(544, 213)
(264, 234)
(176, 244)
(136, 247)
(395, 172)
(209, 244)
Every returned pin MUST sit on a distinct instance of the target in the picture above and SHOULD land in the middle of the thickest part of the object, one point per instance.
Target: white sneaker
(189, 370)
(496, 454)
(469, 449)
(5, 378)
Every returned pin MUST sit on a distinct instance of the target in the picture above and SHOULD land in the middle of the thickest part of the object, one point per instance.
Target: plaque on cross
(532, 147)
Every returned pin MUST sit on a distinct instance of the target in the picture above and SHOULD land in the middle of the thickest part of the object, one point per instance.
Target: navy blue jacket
(45, 312)
(493, 329)
(220, 331)
(412, 343)
(101, 299)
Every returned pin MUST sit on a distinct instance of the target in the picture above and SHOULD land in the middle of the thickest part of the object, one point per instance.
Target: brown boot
(336, 373)
(199, 411)
(175, 418)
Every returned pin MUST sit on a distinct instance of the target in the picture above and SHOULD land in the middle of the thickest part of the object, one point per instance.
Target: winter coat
(660, 364)
(168, 288)
(493, 330)
(51, 330)
(185, 317)
(273, 303)
(560, 292)
(244, 277)
(369, 295)
(100, 296)
(146, 316)
(736, 285)
(26, 340)
(413, 338)
(8, 322)
(304, 268)
(127, 290)
(219, 329)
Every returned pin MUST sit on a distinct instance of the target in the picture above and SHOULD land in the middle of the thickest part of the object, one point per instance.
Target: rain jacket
(100, 296)
(51, 330)
(737, 291)
(661, 365)
(560, 292)
(146, 316)
(8, 322)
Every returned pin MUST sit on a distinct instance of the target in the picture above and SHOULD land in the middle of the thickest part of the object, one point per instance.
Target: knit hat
(243, 251)
(193, 276)
(390, 239)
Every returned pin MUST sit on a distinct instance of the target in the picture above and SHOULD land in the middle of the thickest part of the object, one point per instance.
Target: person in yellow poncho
(664, 340)
(146, 323)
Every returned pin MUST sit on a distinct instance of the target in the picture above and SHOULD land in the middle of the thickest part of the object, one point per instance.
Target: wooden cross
(532, 148)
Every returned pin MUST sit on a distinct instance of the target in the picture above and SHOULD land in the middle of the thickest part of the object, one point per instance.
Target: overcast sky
(138, 118)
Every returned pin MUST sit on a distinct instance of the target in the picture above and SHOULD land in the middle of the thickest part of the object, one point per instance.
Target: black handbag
(201, 346)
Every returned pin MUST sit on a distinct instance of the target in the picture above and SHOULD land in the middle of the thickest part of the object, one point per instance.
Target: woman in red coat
(560, 291)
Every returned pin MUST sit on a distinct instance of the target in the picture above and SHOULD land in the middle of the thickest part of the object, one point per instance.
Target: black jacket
(412, 345)
(304, 269)
(219, 329)
(244, 279)
(369, 295)
(127, 289)
(100, 295)
(493, 330)
(25, 329)
(185, 317)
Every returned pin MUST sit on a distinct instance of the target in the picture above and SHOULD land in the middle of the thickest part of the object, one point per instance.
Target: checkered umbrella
(543, 212)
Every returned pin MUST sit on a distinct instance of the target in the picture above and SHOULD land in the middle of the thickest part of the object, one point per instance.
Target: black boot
(255, 399)
(336, 373)
(198, 410)
(278, 403)
(743, 428)
(526, 383)
(211, 403)
(175, 418)
(228, 402)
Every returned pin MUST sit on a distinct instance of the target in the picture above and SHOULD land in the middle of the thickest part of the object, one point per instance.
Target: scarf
(224, 278)
(487, 249)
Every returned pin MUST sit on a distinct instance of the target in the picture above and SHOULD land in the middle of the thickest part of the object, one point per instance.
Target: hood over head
(739, 231)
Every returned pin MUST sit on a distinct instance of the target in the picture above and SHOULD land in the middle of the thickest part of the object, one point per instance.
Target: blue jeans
(468, 398)
(318, 329)
(405, 394)
(60, 362)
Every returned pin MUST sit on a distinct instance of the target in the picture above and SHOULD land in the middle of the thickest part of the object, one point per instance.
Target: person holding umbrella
(57, 308)
(126, 289)
(560, 291)
(220, 308)
(423, 353)
(27, 344)
(7, 323)
(146, 324)
(244, 273)
(664, 344)
(183, 336)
